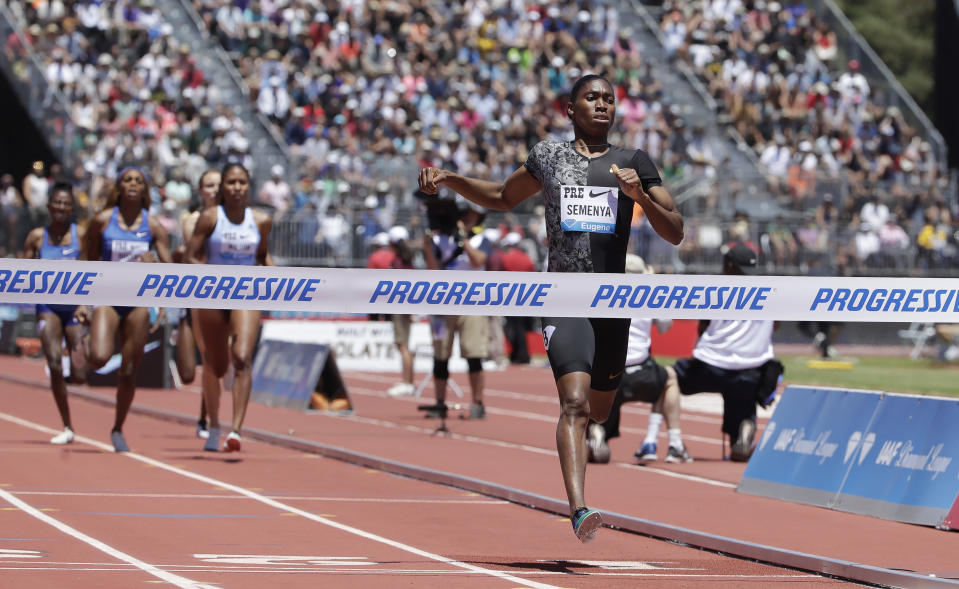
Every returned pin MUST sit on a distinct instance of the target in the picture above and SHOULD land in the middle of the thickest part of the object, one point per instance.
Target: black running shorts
(593, 345)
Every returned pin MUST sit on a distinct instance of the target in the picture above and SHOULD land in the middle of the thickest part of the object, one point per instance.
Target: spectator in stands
(35, 188)
(874, 213)
(383, 255)
(274, 100)
(933, 238)
(177, 192)
(730, 358)
(894, 244)
(853, 87)
(644, 380)
(514, 259)
(369, 223)
(462, 249)
(775, 158)
(334, 231)
(11, 210)
(866, 243)
(275, 192)
(295, 132)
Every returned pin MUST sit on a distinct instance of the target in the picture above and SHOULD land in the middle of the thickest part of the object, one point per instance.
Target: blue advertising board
(285, 374)
(889, 456)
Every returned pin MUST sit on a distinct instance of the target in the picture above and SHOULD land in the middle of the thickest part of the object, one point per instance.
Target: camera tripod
(442, 411)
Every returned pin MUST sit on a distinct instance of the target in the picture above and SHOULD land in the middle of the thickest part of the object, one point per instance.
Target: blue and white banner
(426, 292)
(285, 374)
(890, 456)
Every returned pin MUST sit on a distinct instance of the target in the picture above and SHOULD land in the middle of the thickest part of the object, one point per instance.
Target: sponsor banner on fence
(363, 345)
(889, 456)
(426, 292)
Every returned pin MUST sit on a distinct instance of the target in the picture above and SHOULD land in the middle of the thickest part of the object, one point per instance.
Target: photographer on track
(451, 243)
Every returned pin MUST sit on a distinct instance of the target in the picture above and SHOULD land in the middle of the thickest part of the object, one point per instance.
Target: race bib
(589, 208)
(238, 243)
(127, 251)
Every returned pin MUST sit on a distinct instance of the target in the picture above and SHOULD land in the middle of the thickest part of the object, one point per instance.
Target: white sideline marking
(272, 503)
(421, 572)
(176, 580)
(677, 475)
(277, 497)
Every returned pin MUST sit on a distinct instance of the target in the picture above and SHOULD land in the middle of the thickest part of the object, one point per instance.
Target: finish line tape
(429, 292)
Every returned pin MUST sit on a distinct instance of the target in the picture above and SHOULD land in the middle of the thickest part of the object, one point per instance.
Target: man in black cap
(731, 358)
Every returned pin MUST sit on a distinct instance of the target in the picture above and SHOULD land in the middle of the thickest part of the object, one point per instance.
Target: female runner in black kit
(587, 225)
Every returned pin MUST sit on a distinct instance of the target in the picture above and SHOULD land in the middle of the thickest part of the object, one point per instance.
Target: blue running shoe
(119, 444)
(585, 523)
(647, 452)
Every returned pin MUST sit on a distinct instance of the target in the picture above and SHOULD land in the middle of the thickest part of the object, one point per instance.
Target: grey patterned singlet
(555, 165)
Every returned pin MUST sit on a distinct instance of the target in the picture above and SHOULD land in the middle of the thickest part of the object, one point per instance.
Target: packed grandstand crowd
(364, 91)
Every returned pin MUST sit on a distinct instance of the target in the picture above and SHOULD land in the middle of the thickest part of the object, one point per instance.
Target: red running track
(275, 514)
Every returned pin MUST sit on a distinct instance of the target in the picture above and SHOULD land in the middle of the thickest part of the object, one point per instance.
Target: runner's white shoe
(64, 437)
(403, 389)
(232, 442)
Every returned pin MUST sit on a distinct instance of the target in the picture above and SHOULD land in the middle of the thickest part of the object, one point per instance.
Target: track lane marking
(176, 580)
(408, 572)
(532, 416)
(272, 503)
(277, 497)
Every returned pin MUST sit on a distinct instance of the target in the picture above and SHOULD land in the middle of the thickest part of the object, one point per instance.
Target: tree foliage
(902, 33)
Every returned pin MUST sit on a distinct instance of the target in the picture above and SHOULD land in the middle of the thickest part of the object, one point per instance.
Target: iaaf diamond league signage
(889, 456)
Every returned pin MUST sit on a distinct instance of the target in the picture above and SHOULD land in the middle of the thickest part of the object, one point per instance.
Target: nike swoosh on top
(612, 376)
(141, 233)
(595, 194)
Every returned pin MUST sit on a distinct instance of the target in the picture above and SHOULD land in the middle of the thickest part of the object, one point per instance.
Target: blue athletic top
(48, 251)
(121, 245)
(234, 244)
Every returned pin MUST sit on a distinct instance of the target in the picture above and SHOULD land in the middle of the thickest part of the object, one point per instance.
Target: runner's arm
(203, 229)
(31, 247)
(499, 196)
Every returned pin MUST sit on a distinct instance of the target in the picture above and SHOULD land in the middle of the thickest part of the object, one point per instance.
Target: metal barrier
(796, 246)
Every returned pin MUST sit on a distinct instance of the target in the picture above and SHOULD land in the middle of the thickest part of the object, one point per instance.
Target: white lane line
(176, 580)
(431, 572)
(283, 507)
(277, 497)
(532, 416)
(677, 475)
(533, 449)
(701, 408)
(708, 404)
